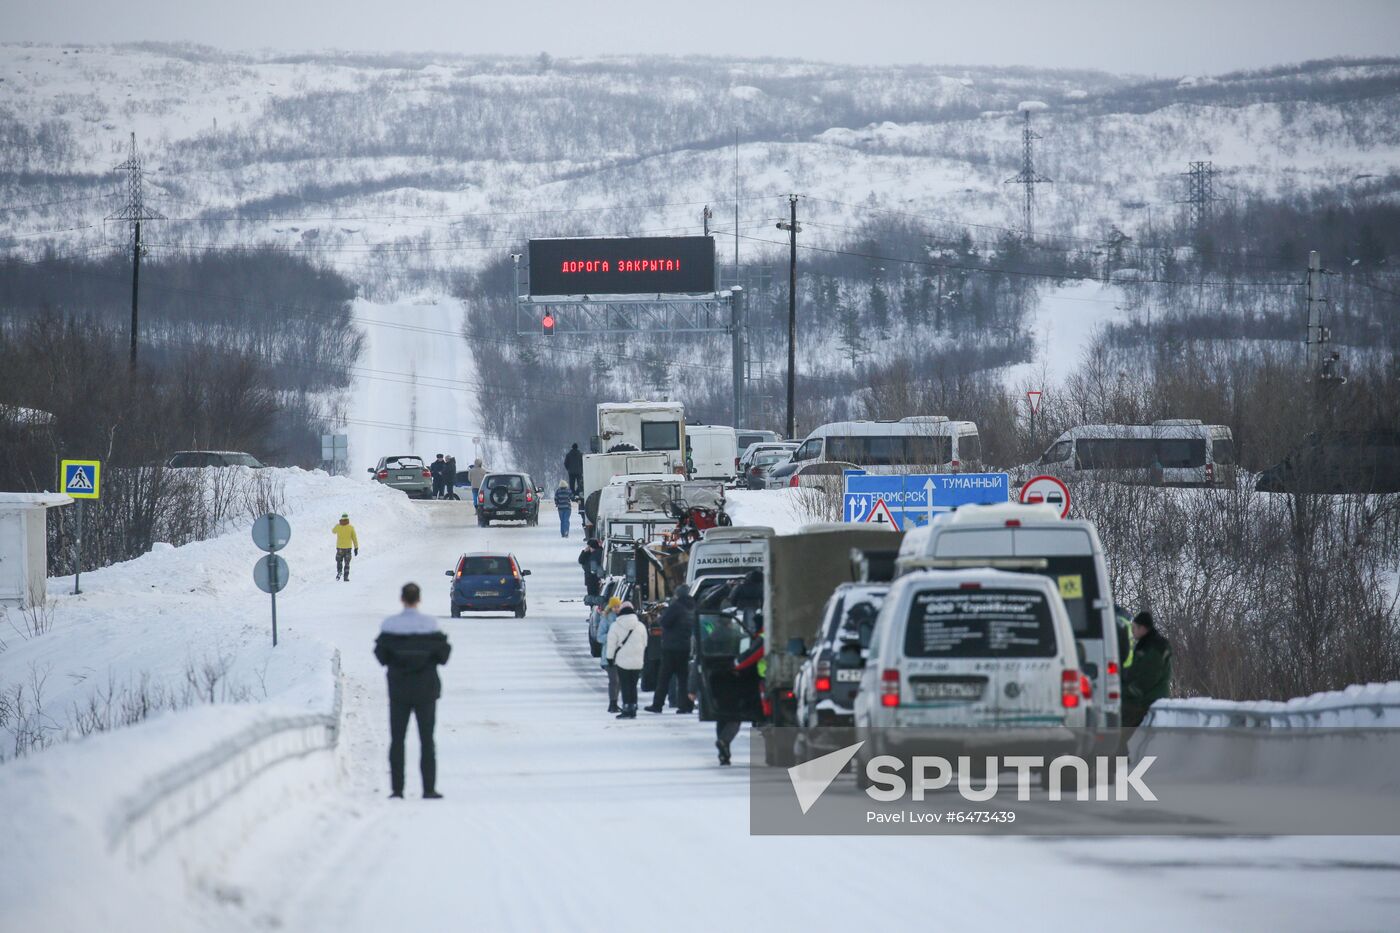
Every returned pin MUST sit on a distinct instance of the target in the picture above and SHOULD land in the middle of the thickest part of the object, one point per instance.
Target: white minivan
(973, 648)
(1175, 452)
(1034, 540)
(711, 452)
(919, 443)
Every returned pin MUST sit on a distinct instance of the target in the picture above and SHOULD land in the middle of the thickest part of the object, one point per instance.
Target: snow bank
(1360, 705)
(783, 510)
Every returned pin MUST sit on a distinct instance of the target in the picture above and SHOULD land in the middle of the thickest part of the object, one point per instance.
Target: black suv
(1364, 462)
(826, 686)
(508, 496)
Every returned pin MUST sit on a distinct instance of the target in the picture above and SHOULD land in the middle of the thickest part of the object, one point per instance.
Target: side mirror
(539, 489)
(451, 573)
(524, 573)
(370, 470)
(796, 645)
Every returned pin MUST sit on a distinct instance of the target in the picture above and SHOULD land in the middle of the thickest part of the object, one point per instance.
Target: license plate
(947, 691)
(488, 593)
(849, 673)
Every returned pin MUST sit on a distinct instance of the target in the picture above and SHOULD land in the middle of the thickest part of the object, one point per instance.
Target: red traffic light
(547, 323)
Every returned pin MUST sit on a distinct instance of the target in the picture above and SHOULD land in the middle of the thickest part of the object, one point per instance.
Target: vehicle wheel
(520, 611)
(456, 613)
(483, 523)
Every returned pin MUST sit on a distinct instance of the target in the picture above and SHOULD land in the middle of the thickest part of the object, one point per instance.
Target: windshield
(485, 566)
(981, 623)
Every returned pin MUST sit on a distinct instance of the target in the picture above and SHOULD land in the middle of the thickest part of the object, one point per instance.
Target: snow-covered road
(559, 817)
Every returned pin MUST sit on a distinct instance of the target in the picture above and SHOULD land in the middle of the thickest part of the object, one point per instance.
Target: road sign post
(271, 533)
(913, 499)
(1033, 400)
(82, 479)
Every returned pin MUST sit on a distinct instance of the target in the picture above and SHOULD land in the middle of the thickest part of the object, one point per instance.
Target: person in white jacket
(626, 647)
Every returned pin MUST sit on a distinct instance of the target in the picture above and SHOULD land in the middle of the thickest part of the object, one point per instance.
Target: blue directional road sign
(914, 499)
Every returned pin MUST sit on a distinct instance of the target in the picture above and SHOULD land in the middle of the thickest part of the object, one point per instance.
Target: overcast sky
(1163, 37)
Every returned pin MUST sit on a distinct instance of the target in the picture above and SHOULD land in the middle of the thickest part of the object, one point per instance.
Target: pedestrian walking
(591, 560)
(677, 624)
(449, 475)
(347, 543)
(607, 618)
(1149, 678)
(564, 504)
(411, 646)
(475, 475)
(626, 649)
(573, 467)
(436, 470)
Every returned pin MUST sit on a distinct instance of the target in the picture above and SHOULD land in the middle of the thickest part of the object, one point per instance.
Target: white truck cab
(645, 427)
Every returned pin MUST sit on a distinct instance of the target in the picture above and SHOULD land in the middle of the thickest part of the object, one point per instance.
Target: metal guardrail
(1249, 716)
(182, 795)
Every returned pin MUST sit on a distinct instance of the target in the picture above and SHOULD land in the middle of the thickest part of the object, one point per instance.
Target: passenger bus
(1176, 452)
(918, 444)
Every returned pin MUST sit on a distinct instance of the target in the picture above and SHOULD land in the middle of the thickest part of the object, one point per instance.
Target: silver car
(405, 472)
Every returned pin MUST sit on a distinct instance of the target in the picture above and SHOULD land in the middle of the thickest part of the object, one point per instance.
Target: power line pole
(1028, 177)
(1200, 194)
(792, 227)
(134, 211)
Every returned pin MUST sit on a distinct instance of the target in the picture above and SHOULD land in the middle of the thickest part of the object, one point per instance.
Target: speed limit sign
(1047, 490)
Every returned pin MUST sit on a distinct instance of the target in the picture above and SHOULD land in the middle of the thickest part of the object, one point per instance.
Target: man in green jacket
(1149, 678)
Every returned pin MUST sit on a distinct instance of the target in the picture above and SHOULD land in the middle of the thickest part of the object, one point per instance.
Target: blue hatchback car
(488, 583)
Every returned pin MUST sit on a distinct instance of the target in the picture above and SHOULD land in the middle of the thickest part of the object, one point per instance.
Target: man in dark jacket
(449, 478)
(591, 560)
(411, 646)
(677, 625)
(1149, 677)
(573, 466)
(436, 470)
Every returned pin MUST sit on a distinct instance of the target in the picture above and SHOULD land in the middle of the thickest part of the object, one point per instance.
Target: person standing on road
(608, 617)
(346, 543)
(449, 478)
(626, 649)
(411, 646)
(591, 560)
(1149, 679)
(564, 504)
(573, 466)
(676, 627)
(438, 467)
(475, 476)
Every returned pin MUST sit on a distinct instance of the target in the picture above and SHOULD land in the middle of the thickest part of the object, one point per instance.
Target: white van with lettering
(725, 554)
(973, 648)
(1034, 540)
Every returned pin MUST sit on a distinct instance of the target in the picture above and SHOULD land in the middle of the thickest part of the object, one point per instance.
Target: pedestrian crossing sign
(82, 479)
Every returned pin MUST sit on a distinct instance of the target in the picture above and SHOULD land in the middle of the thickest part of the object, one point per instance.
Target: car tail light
(1013, 523)
(515, 568)
(969, 586)
(794, 482)
(1086, 687)
(1112, 668)
(481, 497)
(1210, 472)
(736, 463)
(1069, 689)
(427, 474)
(382, 474)
(889, 687)
(529, 497)
(822, 682)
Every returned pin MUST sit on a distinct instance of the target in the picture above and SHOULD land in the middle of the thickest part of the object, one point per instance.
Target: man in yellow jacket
(346, 542)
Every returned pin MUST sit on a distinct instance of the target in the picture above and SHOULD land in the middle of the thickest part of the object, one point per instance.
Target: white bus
(921, 444)
(1176, 452)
